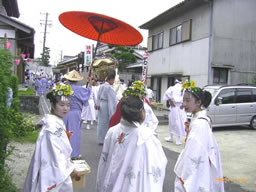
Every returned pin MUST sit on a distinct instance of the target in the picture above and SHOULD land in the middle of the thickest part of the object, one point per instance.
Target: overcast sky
(60, 39)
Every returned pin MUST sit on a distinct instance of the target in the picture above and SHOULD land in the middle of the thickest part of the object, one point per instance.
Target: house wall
(188, 58)
(234, 38)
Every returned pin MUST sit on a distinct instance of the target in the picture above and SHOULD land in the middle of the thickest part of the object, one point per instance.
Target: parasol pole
(95, 51)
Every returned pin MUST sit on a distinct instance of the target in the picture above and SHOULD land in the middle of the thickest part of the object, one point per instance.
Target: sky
(62, 41)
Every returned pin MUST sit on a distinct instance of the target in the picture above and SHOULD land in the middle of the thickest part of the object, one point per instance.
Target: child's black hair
(131, 109)
(203, 95)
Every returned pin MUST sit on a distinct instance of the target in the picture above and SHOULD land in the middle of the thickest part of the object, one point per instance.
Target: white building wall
(188, 58)
(234, 38)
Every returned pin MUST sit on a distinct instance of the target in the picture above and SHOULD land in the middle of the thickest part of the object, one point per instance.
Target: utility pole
(46, 23)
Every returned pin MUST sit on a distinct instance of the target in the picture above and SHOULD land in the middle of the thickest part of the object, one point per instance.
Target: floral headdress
(137, 88)
(190, 86)
(62, 91)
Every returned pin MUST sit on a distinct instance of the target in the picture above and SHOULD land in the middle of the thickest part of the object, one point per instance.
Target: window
(150, 47)
(253, 95)
(157, 41)
(156, 87)
(244, 96)
(173, 36)
(180, 33)
(227, 96)
(220, 75)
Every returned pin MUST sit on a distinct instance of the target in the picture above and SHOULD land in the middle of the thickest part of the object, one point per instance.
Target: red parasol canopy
(101, 28)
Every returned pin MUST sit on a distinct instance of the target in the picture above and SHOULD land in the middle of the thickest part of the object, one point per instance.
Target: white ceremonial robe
(177, 116)
(107, 102)
(199, 163)
(132, 160)
(50, 164)
(88, 112)
(151, 120)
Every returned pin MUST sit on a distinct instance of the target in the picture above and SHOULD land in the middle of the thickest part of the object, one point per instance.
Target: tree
(124, 55)
(45, 57)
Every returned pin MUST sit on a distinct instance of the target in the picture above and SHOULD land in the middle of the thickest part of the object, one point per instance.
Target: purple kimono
(73, 119)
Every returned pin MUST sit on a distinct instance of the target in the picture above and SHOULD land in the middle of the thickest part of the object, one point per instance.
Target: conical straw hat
(73, 76)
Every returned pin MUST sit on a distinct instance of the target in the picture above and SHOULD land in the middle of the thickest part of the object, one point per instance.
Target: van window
(227, 95)
(244, 95)
(253, 95)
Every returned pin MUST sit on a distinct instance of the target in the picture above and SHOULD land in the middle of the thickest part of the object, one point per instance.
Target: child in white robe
(132, 158)
(198, 167)
(50, 167)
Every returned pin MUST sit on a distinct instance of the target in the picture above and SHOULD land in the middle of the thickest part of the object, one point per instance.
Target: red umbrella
(101, 28)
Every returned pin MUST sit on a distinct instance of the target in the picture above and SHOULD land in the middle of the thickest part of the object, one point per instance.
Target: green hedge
(6, 62)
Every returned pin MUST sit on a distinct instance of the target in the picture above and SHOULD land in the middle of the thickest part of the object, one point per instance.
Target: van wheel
(253, 122)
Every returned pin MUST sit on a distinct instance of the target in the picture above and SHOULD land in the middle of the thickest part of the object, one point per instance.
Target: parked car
(232, 105)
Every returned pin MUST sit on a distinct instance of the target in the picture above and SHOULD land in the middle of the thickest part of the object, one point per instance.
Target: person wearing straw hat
(73, 118)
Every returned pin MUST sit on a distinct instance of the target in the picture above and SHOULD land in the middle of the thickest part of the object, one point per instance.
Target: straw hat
(73, 76)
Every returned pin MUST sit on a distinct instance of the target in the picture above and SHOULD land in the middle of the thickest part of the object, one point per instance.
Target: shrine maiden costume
(107, 102)
(151, 120)
(132, 160)
(177, 116)
(50, 166)
(198, 167)
(89, 112)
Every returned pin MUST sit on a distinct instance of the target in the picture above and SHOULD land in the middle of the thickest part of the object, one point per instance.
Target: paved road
(90, 151)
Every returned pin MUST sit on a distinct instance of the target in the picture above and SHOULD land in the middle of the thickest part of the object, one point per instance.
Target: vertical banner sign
(144, 68)
(88, 55)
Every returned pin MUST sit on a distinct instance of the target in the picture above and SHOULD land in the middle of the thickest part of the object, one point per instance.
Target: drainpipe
(210, 41)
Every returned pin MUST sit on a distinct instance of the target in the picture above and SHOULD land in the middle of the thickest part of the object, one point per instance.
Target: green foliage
(21, 124)
(124, 55)
(29, 91)
(13, 82)
(6, 61)
(45, 57)
(6, 181)
(30, 137)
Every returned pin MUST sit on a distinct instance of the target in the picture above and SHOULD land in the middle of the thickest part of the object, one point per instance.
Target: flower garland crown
(62, 90)
(189, 86)
(137, 88)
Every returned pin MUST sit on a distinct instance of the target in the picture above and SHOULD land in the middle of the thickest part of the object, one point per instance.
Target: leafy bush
(6, 181)
(15, 100)
(6, 61)
(21, 124)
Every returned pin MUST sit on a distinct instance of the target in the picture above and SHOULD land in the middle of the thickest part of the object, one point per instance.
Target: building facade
(208, 41)
(17, 37)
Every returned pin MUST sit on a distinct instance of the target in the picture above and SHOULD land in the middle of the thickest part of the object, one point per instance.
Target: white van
(232, 105)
